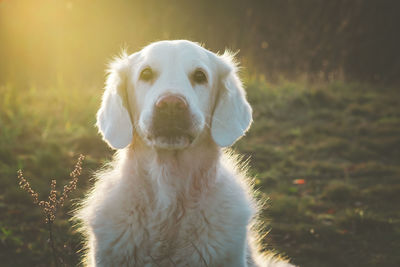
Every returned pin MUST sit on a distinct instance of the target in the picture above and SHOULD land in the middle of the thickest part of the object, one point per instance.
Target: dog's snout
(171, 119)
(171, 101)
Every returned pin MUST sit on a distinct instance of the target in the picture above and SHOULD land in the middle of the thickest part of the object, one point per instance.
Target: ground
(325, 156)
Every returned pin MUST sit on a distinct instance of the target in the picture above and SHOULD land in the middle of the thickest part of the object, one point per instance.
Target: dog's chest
(172, 235)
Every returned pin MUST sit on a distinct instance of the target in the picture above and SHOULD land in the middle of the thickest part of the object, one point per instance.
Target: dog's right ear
(232, 115)
(113, 118)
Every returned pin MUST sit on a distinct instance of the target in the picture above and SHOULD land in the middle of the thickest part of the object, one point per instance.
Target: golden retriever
(172, 196)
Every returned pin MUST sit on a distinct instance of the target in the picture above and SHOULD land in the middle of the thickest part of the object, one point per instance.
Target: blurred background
(323, 79)
(358, 39)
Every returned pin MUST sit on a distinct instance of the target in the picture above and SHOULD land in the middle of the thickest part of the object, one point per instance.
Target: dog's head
(170, 93)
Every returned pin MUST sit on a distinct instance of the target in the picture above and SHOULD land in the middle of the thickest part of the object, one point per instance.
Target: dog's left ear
(232, 115)
(113, 117)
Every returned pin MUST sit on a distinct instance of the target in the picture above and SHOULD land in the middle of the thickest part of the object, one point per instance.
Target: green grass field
(327, 157)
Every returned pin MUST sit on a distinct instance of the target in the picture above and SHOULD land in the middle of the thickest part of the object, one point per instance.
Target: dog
(172, 196)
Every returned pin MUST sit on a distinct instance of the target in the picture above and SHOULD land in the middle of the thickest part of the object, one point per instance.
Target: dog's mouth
(171, 143)
(172, 130)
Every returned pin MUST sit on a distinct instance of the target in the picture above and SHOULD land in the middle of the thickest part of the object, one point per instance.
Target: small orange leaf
(331, 211)
(343, 232)
(299, 181)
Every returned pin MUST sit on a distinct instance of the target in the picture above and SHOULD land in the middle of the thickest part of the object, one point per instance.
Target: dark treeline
(356, 40)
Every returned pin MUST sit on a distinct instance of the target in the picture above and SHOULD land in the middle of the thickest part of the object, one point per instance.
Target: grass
(341, 140)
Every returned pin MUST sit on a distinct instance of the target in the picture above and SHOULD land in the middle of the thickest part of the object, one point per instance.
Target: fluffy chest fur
(138, 218)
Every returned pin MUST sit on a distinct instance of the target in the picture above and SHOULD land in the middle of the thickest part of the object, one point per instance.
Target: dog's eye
(146, 74)
(199, 77)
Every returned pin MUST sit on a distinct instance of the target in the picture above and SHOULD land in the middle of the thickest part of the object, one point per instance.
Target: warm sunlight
(311, 113)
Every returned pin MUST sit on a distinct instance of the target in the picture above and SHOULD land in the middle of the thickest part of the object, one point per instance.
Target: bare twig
(50, 207)
(51, 241)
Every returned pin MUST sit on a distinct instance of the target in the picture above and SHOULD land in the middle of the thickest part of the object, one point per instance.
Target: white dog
(172, 197)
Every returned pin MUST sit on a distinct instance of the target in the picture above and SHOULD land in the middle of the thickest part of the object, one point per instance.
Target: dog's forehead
(175, 52)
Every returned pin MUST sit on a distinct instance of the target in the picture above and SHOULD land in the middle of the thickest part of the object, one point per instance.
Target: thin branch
(51, 240)
(50, 207)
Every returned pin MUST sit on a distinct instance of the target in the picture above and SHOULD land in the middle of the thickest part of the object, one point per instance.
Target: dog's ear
(113, 117)
(232, 114)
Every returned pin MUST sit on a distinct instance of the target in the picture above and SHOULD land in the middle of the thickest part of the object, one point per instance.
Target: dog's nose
(171, 101)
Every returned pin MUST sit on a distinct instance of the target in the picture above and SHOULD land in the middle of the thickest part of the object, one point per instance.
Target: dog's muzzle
(172, 122)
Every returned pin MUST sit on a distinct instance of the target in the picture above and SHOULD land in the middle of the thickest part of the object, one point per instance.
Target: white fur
(189, 204)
